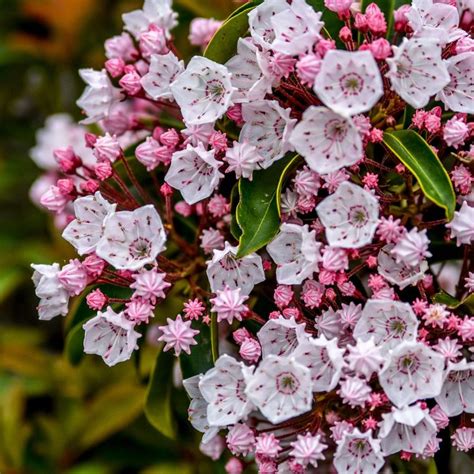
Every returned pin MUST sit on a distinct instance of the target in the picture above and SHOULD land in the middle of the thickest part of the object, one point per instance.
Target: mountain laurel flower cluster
(290, 214)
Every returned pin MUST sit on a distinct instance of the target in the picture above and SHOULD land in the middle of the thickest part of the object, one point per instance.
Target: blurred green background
(55, 417)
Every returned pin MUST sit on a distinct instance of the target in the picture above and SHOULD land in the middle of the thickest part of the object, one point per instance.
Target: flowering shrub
(298, 189)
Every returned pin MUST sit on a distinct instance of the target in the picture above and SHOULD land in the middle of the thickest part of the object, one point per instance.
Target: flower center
(358, 216)
(140, 248)
(351, 84)
(287, 384)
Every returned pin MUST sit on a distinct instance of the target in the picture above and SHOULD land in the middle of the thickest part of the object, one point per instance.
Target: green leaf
(158, 405)
(200, 359)
(114, 408)
(235, 230)
(10, 279)
(258, 212)
(387, 7)
(420, 159)
(453, 303)
(74, 347)
(223, 44)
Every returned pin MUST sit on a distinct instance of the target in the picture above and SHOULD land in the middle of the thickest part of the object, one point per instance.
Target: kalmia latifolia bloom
(278, 213)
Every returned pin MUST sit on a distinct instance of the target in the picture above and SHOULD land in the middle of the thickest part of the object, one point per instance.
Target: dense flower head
(296, 198)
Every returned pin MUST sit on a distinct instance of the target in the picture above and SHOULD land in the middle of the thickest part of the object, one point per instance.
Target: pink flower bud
(375, 19)
(380, 49)
(201, 30)
(131, 83)
(307, 68)
(73, 277)
(115, 66)
(94, 265)
(121, 47)
(235, 113)
(103, 170)
(240, 335)
(360, 22)
(153, 41)
(67, 160)
(400, 18)
(90, 186)
(170, 138)
(324, 45)
(250, 350)
(54, 200)
(107, 148)
(65, 185)
(139, 310)
(90, 139)
(96, 300)
(218, 141)
(150, 154)
(345, 34)
(166, 190)
(183, 208)
(341, 7)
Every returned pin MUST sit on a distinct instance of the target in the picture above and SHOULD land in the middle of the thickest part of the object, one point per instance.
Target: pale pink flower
(194, 309)
(150, 285)
(462, 179)
(54, 199)
(267, 446)
(307, 68)
(110, 335)
(73, 277)
(267, 127)
(436, 315)
(349, 83)
(195, 172)
(280, 336)
(417, 71)
(449, 348)
(390, 230)
(151, 154)
(139, 310)
(178, 335)
(463, 439)
(203, 91)
(455, 132)
(132, 239)
(223, 389)
(327, 140)
(250, 350)
(280, 388)
(350, 216)
(439, 417)
(243, 159)
(121, 46)
(211, 239)
(365, 358)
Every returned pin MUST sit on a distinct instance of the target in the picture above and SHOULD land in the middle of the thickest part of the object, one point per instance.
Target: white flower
(243, 159)
(324, 360)
(54, 298)
(110, 335)
(261, 27)
(414, 371)
(226, 270)
(349, 83)
(457, 393)
(280, 336)
(195, 172)
(59, 132)
(458, 95)
(462, 225)
(247, 77)
(350, 216)
(308, 449)
(223, 388)
(354, 391)
(132, 238)
(280, 388)
(296, 252)
(406, 429)
(156, 12)
(417, 71)
(164, 69)
(387, 322)
(412, 248)
(98, 97)
(365, 358)
(359, 453)
(197, 411)
(438, 20)
(296, 29)
(327, 140)
(268, 127)
(399, 273)
(203, 91)
(85, 231)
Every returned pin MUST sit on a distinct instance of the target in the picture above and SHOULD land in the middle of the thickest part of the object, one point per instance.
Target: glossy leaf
(223, 44)
(415, 153)
(453, 303)
(158, 405)
(74, 347)
(114, 408)
(235, 230)
(201, 358)
(258, 212)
